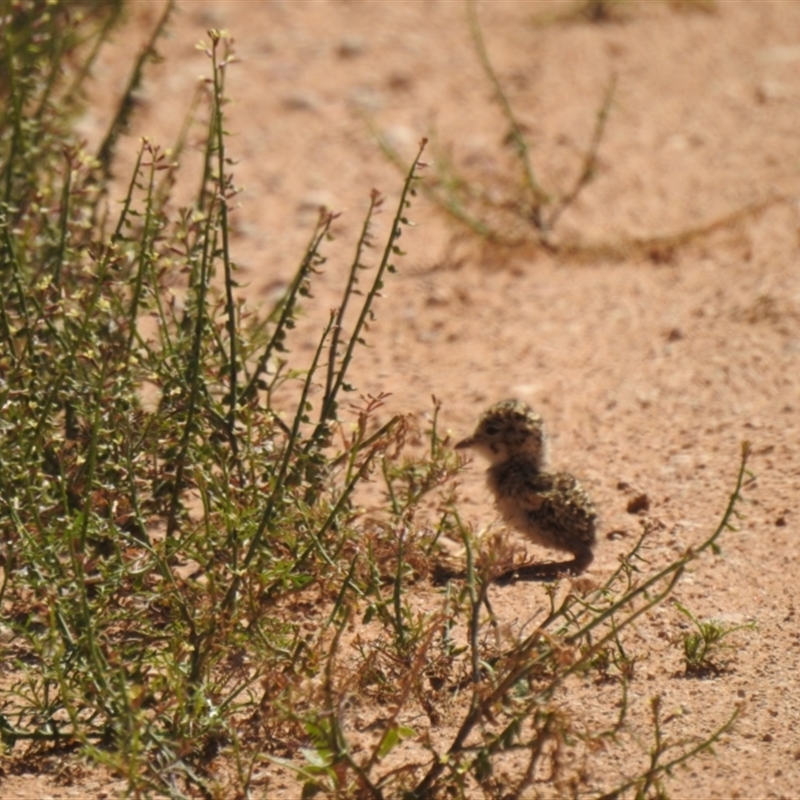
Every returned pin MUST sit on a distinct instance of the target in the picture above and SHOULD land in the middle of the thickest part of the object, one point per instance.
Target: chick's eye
(491, 429)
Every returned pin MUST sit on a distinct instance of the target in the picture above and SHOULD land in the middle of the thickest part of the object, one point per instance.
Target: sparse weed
(192, 592)
(704, 650)
(514, 207)
(529, 211)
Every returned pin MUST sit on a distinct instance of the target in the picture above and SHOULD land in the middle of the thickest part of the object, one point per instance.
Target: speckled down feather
(549, 508)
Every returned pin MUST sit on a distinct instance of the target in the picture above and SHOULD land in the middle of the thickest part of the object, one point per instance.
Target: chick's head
(508, 429)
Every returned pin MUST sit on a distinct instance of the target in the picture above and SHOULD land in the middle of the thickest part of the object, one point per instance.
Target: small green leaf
(390, 739)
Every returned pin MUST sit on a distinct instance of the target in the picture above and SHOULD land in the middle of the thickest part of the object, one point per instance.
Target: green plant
(703, 647)
(145, 541)
(514, 207)
(529, 210)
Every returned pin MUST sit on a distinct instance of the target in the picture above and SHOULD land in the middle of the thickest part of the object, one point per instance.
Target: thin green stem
(391, 249)
(224, 193)
(538, 196)
(278, 488)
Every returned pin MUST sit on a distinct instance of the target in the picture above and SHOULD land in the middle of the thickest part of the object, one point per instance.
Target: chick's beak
(465, 443)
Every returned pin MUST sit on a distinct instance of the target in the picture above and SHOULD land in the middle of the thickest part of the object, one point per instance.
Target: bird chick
(549, 508)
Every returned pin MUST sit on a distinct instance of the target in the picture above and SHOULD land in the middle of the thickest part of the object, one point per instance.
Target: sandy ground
(650, 369)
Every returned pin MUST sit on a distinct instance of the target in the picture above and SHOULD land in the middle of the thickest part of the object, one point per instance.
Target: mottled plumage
(549, 508)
